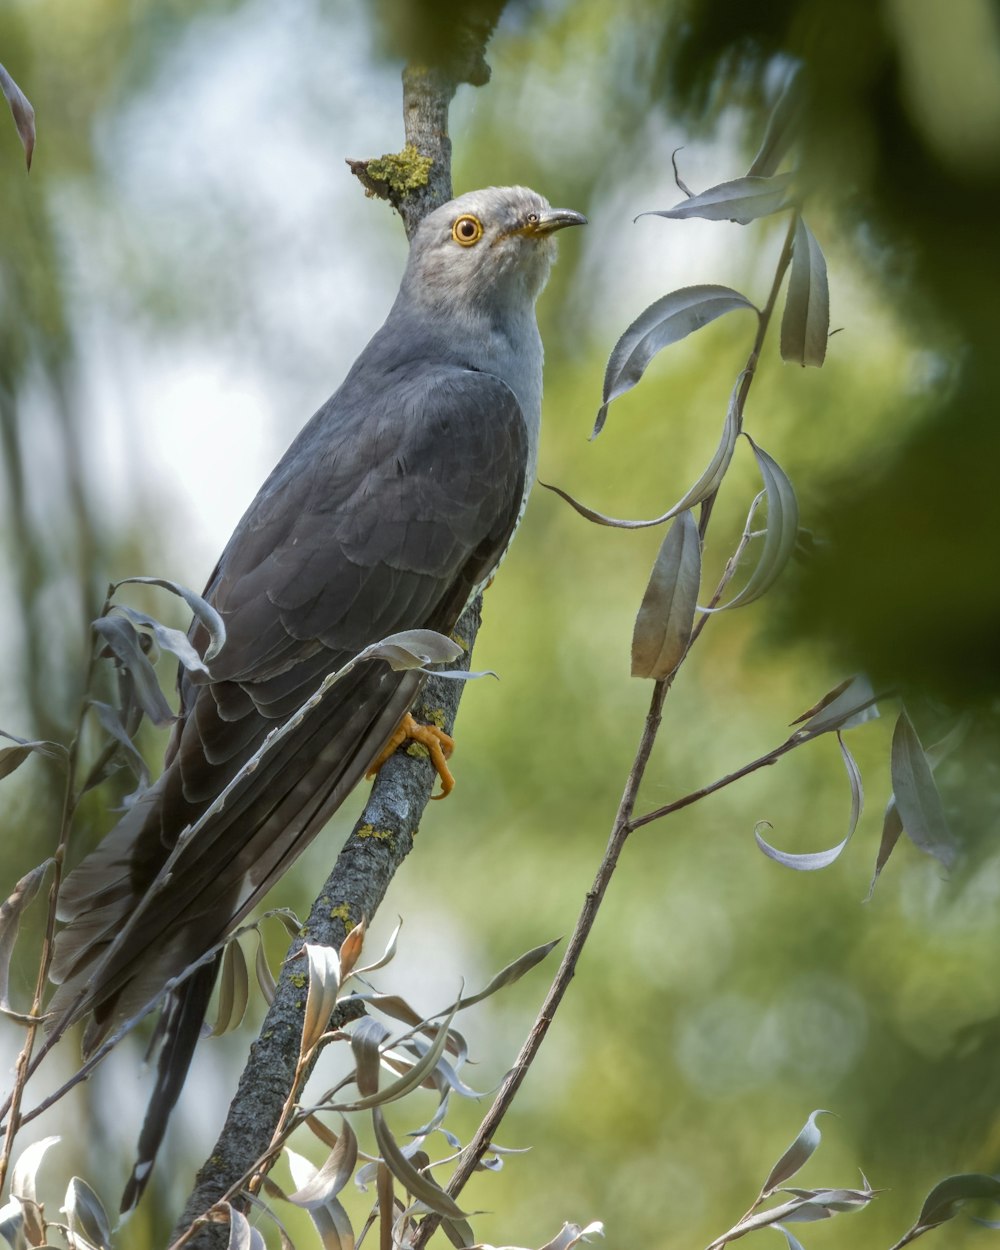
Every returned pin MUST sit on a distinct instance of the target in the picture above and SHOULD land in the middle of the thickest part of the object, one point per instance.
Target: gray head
(486, 247)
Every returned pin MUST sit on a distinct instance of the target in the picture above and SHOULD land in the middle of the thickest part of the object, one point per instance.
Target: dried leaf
(25, 1173)
(669, 320)
(810, 861)
(201, 608)
(666, 616)
(13, 757)
(234, 989)
(782, 129)
(917, 797)
(265, 977)
(705, 486)
(386, 1207)
(324, 987)
(387, 955)
(742, 200)
(333, 1175)
(21, 111)
(112, 724)
(366, 1040)
(805, 324)
(330, 1220)
(172, 640)
(892, 827)
(241, 1235)
(572, 1234)
(86, 1214)
(797, 1154)
(779, 536)
(793, 1243)
(123, 640)
(350, 949)
(419, 1184)
(11, 911)
(848, 705)
(413, 648)
(366, 1044)
(511, 973)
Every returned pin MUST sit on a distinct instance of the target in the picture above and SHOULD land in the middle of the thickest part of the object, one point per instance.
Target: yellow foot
(439, 746)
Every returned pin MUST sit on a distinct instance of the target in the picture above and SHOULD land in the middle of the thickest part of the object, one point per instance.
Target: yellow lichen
(403, 172)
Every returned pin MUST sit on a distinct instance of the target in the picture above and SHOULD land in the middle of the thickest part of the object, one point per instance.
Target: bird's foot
(439, 746)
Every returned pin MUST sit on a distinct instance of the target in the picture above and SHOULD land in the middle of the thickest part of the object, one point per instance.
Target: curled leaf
(11, 911)
(805, 323)
(848, 705)
(350, 949)
(666, 616)
(202, 609)
(797, 1154)
(782, 128)
(947, 1197)
(13, 757)
(86, 1214)
(917, 797)
(572, 1234)
(705, 486)
(234, 989)
(419, 1184)
(324, 987)
(779, 536)
(810, 861)
(669, 320)
(331, 1178)
(124, 643)
(172, 640)
(21, 111)
(742, 200)
(241, 1235)
(330, 1219)
(892, 828)
(511, 973)
(111, 722)
(413, 648)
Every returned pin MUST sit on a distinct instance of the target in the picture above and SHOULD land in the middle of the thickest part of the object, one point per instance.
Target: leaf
(848, 705)
(782, 128)
(705, 486)
(241, 1235)
(797, 1154)
(86, 1214)
(946, 1198)
(330, 1220)
(11, 911)
(792, 1243)
(350, 949)
(234, 989)
(810, 861)
(25, 1173)
(779, 536)
(669, 320)
(324, 987)
(172, 640)
(666, 616)
(201, 608)
(742, 200)
(265, 978)
(420, 1185)
(13, 757)
(12, 1224)
(21, 111)
(112, 724)
(572, 1234)
(366, 1040)
(124, 642)
(511, 973)
(805, 323)
(333, 1175)
(917, 797)
(892, 827)
(413, 648)
(387, 955)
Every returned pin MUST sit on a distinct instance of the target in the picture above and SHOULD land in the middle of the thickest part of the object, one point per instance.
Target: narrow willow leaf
(782, 129)
(511, 973)
(797, 1154)
(810, 861)
(387, 955)
(666, 616)
(792, 1243)
(123, 641)
(350, 949)
(820, 1204)
(265, 977)
(201, 608)
(366, 1039)
(86, 1214)
(780, 534)
(324, 986)
(386, 1207)
(848, 705)
(946, 1198)
(234, 989)
(333, 1175)
(742, 200)
(25, 1173)
(705, 486)
(366, 1044)
(805, 324)
(669, 320)
(413, 648)
(11, 911)
(241, 1235)
(21, 111)
(111, 722)
(420, 1185)
(917, 797)
(892, 828)
(172, 640)
(330, 1220)
(13, 757)
(572, 1234)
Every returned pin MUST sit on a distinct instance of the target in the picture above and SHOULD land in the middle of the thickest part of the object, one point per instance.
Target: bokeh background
(187, 273)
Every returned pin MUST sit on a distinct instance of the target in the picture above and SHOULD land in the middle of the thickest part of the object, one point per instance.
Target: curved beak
(553, 219)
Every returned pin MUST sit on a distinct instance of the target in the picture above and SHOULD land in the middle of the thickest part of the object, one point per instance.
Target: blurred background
(187, 273)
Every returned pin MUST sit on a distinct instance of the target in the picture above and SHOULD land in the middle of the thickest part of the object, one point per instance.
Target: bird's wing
(385, 514)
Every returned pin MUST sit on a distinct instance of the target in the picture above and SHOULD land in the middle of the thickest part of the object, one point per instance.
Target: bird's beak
(553, 219)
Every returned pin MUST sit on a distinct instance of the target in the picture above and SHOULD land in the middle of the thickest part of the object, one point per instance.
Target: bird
(390, 510)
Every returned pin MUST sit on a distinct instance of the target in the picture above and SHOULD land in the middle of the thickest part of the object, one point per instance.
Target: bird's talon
(438, 744)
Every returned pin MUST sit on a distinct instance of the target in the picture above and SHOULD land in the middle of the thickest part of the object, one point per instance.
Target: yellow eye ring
(467, 230)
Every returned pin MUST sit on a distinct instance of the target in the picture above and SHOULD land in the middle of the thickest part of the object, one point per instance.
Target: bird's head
(485, 246)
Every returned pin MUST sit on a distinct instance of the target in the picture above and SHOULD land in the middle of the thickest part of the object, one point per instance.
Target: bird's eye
(532, 218)
(467, 230)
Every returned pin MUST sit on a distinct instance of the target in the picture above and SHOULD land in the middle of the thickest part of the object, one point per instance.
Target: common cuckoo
(394, 504)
